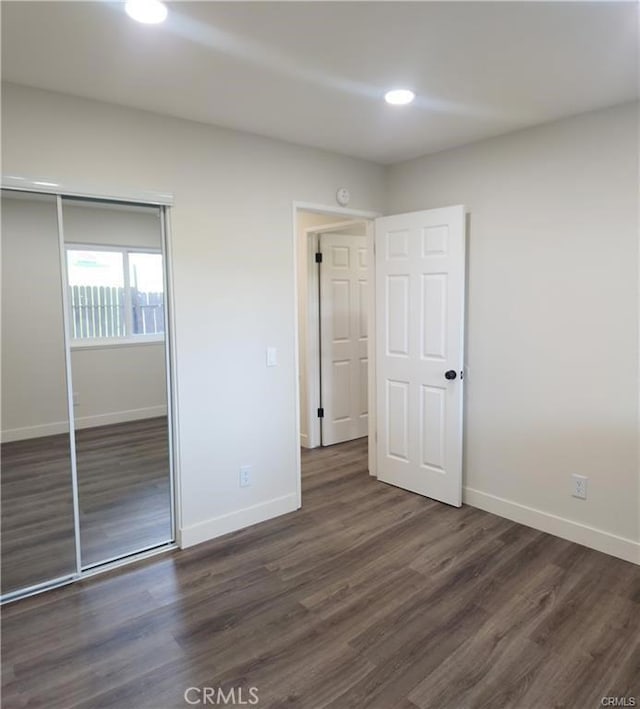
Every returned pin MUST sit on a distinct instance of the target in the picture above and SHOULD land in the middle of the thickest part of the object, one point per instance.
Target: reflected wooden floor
(368, 597)
(123, 481)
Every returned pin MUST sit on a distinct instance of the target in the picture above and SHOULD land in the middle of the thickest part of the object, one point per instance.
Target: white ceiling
(314, 72)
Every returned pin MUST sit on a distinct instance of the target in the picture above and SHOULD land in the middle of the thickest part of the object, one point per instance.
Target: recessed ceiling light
(149, 12)
(399, 97)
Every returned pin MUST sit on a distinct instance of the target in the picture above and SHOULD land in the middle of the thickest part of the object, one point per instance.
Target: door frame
(351, 215)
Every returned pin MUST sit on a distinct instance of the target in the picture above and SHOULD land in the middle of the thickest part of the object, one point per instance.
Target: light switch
(272, 356)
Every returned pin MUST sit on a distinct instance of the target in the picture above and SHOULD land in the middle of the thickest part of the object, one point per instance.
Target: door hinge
(318, 257)
(321, 413)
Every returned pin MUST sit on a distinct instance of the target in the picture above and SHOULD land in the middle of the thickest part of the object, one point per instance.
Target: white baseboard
(307, 442)
(149, 412)
(39, 431)
(58, 427)
(217, 526)
(597, 539)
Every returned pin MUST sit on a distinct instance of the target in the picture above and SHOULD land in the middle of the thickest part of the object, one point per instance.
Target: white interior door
(420, 281)
(343, 337)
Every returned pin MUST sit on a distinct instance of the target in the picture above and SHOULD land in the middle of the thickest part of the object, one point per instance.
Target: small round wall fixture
(343, 196)
(149, 12)
(399, 97)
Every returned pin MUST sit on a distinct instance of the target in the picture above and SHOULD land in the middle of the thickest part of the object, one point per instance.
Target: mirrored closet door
(36, 487)
(115, 277)
(86, 444)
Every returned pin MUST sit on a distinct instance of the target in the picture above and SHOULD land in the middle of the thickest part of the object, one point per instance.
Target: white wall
(111, 384)
(233, 276)
(116, 384)
(552, 335)
(112, 225)
(34, 394)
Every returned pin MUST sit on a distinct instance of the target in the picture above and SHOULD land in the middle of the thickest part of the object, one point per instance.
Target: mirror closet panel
(36, 487)
(86, 476)
(115, 279)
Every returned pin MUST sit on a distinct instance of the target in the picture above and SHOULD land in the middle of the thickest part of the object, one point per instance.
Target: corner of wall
(239, 519)
(598, 539)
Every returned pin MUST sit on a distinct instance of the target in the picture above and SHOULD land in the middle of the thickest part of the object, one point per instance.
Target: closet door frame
(162, 201)
(67, 364)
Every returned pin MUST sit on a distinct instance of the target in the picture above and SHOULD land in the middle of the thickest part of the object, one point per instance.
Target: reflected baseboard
(59, 427)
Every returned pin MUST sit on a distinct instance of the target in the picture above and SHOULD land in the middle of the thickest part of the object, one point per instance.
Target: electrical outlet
(579, 486)
(75, 399)
(245, 476)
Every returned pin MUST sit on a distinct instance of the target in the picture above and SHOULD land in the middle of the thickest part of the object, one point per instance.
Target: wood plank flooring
(368, 597)
(124, 490)
(124, 499)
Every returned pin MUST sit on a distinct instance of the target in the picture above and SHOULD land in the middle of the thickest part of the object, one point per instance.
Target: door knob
(450, 374)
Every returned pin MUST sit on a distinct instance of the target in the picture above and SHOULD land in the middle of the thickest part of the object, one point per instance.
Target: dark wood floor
(123, 491)
(368, 597)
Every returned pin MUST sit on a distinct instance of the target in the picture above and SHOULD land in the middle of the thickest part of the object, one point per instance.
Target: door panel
(343, 323)
(420, 279)
(118, 365)
(36, 487)
(397, 319)
(397, 406)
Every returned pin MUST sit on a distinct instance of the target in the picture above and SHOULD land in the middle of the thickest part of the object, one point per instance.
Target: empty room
(320, 362)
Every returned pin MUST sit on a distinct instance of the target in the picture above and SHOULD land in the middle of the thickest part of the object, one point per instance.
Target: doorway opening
(414, 332)
(335, 304)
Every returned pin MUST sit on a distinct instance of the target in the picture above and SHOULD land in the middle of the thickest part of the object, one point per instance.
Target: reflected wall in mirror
(115, 286)
(37, 512)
